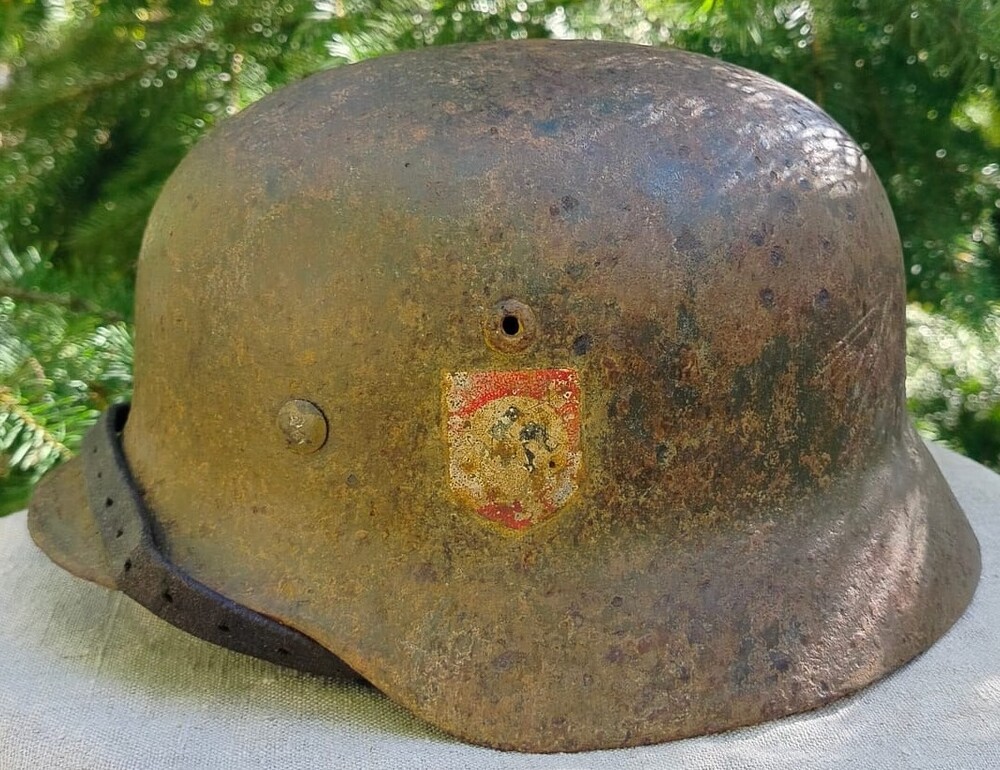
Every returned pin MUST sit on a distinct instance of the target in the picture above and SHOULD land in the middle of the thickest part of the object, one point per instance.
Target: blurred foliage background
(100, 99)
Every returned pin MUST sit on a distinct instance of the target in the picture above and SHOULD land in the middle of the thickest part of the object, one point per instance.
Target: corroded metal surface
(141, 572)
(753, 527)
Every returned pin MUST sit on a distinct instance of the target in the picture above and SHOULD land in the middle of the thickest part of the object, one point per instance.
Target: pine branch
(18, 114)
(10, 404)
(78, 304)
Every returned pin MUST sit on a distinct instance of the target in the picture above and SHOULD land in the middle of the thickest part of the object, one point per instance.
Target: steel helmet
(554, 388)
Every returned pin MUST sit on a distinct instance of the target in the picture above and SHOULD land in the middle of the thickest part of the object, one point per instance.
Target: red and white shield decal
(514, 442)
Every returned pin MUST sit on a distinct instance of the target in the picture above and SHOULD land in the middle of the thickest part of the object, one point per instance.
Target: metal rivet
(303, 425)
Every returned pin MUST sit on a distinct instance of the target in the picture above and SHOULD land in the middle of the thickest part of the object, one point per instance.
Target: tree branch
(11, 405)
(78, 304)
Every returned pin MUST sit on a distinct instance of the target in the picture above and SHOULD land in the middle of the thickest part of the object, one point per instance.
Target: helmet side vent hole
(223, 628)
(510, 327)
(128, 564)
(108, 502)
(167, 597)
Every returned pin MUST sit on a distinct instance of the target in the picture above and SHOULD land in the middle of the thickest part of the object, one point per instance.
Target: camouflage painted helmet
(556, 389)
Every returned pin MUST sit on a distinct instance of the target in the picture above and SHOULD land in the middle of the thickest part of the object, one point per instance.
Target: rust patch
(748, 465)
(514, 442)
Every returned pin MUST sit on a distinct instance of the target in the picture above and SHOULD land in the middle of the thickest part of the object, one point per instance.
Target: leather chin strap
(144, 574)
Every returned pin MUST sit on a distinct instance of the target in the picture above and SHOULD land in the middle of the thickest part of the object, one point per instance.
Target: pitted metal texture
(607, 345)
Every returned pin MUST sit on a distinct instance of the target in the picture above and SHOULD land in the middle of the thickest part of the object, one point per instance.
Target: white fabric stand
(91, 681)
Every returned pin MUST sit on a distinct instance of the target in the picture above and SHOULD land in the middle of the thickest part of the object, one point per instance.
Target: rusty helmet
(554, 388)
